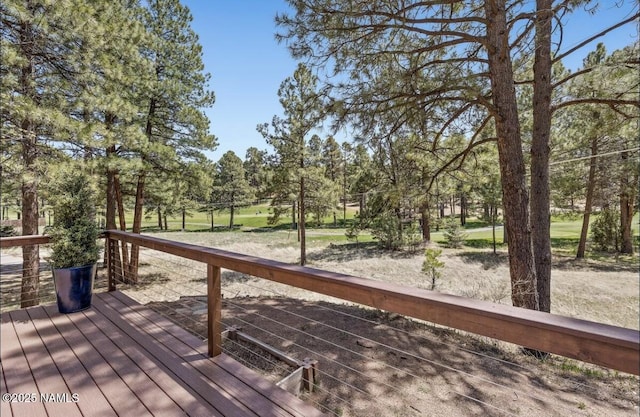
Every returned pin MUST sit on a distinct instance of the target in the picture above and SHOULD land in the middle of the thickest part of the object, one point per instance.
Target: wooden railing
(601, 344)
(10, 242)
(12, 296)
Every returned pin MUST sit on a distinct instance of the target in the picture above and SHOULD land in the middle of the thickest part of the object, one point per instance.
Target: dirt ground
(372, 363)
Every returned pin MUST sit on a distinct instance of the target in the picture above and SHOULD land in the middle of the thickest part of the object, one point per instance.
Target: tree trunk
(212, 226)
(160, 218)
(110, 215)
(494, 215)
(426, 223)
(137, 226)
(294, 218)
(123, 223)
(231, 217)
(540, 215)
(591, 185)
(505, 235)
(166, 225)
(301, 226)
(30, 254)
(512, 168)
(139, 203)
(344, 195)
(184, 218)
(626, 207)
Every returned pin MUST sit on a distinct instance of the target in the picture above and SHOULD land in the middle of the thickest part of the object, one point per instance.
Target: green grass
(565, 236)
(565, 230)
(255, 216)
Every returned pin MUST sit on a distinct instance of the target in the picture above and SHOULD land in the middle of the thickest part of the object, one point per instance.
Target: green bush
(431, 265)
(605, 231)
(386, 230)
(74, 232)
(412, 236)
(454, 234)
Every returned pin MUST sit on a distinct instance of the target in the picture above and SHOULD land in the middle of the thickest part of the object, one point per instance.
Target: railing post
(214, 309)
(309, 374)
(111, 263)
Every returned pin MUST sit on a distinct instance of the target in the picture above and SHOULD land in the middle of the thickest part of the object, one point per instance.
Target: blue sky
(247, 65)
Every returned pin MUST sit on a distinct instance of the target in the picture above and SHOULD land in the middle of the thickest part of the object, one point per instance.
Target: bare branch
(596, 36)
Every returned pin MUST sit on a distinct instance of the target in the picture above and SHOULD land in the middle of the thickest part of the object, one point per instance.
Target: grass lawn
(565, 232)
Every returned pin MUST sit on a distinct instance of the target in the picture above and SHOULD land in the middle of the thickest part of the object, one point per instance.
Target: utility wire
(582, 158)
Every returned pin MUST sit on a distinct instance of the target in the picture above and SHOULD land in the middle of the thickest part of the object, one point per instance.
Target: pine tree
(231, 189)
(257, 173)
(303, 110)
(457, 60)
(40, 78)
(175, 125)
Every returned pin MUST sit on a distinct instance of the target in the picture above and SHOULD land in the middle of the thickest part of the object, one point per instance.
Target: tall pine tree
(303, 110)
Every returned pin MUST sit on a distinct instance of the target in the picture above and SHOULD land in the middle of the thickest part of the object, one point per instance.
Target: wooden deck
(119, 358)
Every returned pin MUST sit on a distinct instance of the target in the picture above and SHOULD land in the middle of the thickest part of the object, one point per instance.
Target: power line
(593, 156)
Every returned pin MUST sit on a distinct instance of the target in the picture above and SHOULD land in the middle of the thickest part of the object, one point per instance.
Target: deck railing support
(214, 310)
(309, 374)
(111, 247)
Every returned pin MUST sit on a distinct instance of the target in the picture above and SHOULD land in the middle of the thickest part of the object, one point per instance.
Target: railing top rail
(611, 346)
(13, 241)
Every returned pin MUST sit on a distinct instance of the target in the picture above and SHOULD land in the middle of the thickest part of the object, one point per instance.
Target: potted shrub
(74, 234)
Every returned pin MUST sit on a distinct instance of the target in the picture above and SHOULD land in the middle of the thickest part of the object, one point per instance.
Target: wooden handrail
(601, 344)
(13, 241)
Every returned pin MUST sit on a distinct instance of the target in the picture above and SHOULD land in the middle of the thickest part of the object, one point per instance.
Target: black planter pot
(74, 287)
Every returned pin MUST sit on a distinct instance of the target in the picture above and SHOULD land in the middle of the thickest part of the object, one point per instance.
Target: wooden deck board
(5, 407)
(98, 367)
(42, 366)
(17, 372)
(74, 373)
(200, 362)
(229, 365)
(200, 389)
(123, 359)
(131, 372)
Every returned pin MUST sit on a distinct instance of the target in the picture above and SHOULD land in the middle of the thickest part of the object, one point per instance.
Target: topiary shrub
(74, 232)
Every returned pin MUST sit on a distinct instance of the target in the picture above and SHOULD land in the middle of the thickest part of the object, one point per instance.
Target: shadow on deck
(121, 358)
